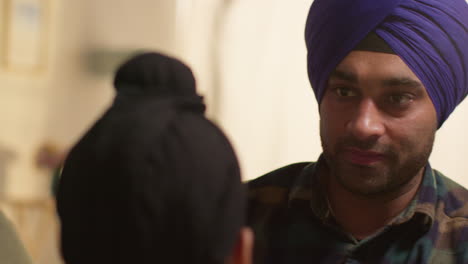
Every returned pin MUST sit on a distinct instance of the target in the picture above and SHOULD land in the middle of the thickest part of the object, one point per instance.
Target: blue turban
(430, 36)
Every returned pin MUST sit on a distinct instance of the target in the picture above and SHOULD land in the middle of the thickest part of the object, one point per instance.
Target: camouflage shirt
(292, 223)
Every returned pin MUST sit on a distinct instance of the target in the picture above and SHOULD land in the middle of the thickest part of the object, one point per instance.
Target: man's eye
(400, 99)
(345, 92)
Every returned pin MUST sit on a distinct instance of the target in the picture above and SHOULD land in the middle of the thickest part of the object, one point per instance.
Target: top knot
(156, 74)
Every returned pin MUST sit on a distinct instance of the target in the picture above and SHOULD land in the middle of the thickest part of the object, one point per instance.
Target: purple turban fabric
(431, 36)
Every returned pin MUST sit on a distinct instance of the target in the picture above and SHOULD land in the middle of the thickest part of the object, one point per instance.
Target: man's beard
(388, 177)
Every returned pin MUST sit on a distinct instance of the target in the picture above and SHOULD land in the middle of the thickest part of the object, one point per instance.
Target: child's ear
(243, 249)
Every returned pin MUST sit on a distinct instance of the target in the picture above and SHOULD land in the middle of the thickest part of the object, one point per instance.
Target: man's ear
(242, 251)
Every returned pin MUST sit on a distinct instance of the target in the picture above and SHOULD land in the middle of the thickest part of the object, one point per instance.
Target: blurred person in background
(12, 250)
(153, 181)
(386, 75)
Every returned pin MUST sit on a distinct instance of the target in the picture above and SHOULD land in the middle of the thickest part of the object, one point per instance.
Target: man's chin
(367, 190)
(368, 180)
(371, 170)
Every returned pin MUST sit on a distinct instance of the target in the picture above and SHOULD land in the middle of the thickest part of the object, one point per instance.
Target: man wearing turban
(386, 75)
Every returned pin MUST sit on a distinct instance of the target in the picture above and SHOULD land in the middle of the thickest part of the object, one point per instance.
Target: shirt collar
(308, 188)
(424, 202)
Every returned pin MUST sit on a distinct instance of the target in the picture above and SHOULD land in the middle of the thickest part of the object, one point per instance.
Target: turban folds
(430, 36)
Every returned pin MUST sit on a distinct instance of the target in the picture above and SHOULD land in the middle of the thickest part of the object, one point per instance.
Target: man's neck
(362, 216)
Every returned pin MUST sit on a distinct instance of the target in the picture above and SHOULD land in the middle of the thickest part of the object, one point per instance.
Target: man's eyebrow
(344, 75)
(402, 82)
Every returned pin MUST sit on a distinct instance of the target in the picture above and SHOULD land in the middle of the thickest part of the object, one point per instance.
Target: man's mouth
(363, 157)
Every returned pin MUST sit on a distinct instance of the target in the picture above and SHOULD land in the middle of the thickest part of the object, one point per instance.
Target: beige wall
(450, 154)
(267, 106)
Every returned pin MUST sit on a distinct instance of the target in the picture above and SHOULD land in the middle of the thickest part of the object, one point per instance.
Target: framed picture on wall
(25, 34)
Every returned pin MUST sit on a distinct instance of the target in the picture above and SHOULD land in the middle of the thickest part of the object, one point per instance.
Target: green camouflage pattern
(293, 224)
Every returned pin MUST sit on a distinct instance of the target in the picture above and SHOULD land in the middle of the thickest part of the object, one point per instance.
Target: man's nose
(367, 121)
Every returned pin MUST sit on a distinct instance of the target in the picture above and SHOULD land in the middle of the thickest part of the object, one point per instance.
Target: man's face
(377, 123)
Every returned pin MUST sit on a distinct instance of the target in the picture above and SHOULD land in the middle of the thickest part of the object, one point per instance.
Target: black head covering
(154, 73)
(373, 42)
(153, 181)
